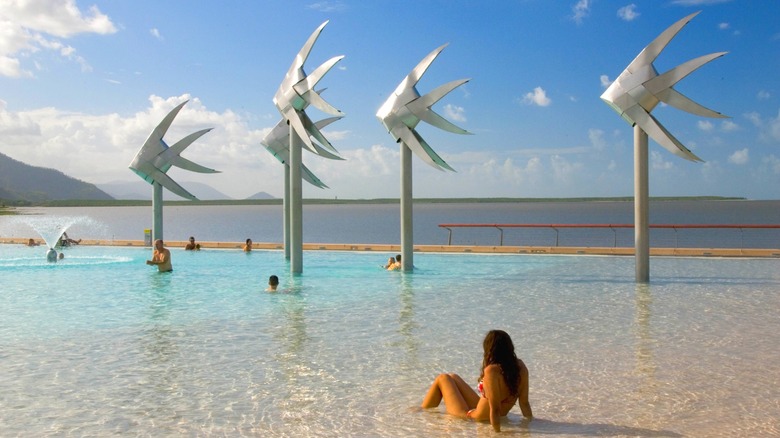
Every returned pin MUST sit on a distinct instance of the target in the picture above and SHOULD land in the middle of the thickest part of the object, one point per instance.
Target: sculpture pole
(155, 158)
(407, 227)
(157, 208)
(295, 94)
(400, 114)
(641, 207)
(296, 203)
(286, 213)
(277, 142)
(634, 95)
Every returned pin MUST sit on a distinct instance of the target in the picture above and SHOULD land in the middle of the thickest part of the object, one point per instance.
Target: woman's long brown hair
(499, 349)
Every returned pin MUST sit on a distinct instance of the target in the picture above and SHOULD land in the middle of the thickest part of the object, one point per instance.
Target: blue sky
(82, 83)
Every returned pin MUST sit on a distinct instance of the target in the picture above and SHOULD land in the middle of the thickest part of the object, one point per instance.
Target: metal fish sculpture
(639, 88)
(155, 156)
(404, 109)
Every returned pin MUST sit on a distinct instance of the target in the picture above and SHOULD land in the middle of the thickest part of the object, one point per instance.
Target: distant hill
(142, 191)
(261, 195)
(22, 182)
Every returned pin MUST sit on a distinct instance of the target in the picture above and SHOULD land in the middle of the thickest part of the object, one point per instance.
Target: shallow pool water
(99, 343)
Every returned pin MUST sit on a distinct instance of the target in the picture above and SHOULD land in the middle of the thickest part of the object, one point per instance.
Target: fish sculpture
(639, 88)
(155, 156)
(296, 93)
(277, 142)
(404, 109)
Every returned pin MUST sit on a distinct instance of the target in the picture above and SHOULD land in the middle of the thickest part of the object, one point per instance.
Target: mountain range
(23, 182)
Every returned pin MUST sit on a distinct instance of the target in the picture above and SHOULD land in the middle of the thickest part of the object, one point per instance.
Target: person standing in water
(161, 257)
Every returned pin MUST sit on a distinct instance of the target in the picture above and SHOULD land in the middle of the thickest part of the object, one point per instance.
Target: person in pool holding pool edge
(502, 382)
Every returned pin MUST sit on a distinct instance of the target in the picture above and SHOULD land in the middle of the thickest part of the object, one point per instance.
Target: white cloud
(754, 118)
(705, 125)
(657, 161)
(563, 169)
(628, 13)
(723, 26)
(580, 10)
(698, 2)
(27, 27)
(773, 163)
(728, 126)
(596, 137)
(73, 142)
(156, 33)
(739, 157)
(455, 113)
(537, 97)
(763, 95)
(327, 6)
(605, 81)
(774, 127)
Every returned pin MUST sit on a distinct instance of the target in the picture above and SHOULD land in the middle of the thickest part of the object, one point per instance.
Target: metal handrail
(613, 227)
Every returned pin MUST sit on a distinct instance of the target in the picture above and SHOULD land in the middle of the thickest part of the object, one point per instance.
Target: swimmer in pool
(273, 283)
(248, 245)
(161, 257)
(502, 382)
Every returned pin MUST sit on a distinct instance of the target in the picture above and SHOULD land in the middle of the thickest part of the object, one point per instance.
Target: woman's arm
(492, 383)
(522, 392)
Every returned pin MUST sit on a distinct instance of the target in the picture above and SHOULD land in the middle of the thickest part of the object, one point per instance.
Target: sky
(84, 82)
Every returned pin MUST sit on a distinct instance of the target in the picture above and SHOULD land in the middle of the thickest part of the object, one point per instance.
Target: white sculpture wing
(404, 109)
(155, 157)
(639, 89)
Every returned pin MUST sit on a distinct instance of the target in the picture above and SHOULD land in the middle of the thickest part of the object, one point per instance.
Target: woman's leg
(445, 388)
(468, 393)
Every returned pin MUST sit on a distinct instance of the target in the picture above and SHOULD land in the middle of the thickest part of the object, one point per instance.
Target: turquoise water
(100, 343)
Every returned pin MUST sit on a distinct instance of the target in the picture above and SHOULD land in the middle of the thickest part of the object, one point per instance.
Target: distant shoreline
(8, 205)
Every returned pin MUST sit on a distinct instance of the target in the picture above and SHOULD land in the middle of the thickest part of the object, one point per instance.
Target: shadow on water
(541, 426)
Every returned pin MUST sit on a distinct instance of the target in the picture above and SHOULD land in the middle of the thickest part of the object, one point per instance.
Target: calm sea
(379, 223)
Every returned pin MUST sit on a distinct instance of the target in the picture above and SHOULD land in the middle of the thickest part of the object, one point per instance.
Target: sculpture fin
(657, 132)
(182, 144)
(413, 140)
(186, 164)
(652, 50)
(296, 121)
(418, 71)
(311, 178)
(314, 131)
(303, 54)
(420, 107)
(661, 86)
(171, 185)
(163, 126)
(305, 88)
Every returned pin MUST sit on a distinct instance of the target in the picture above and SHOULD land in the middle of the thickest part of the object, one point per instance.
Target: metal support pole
(286, 213)
(641, 206)
(157, 208)
(407, 229)
(296, 203)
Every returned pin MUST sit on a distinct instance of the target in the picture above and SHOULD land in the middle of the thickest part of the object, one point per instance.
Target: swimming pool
(100, 343)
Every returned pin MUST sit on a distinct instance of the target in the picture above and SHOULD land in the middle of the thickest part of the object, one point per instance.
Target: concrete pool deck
(474, 249)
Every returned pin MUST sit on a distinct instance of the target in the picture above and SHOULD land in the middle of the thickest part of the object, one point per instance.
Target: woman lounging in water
(502, 382)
